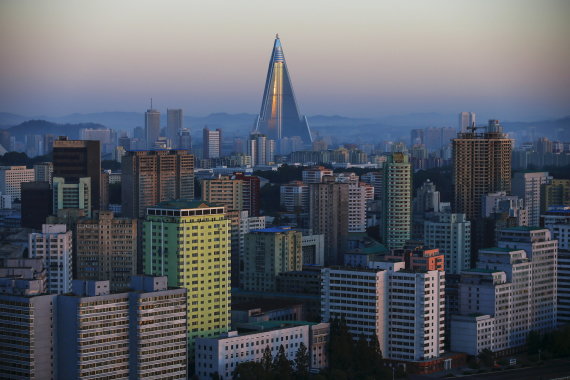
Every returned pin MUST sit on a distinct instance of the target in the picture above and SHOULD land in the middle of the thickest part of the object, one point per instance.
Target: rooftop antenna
(150, 103)
(277, 36)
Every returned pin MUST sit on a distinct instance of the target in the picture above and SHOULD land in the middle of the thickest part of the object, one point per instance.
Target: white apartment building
(451, 233)
(294, 197)
(376, 179)
(561, 232)
(222, 355)
(392, 304)
(527, 187)
(499, 203)
(359, 194)
(54, 246)
(510, 293)
(315, 174)
(11, 178)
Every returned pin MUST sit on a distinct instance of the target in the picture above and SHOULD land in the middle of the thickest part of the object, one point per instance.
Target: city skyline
(365, 59)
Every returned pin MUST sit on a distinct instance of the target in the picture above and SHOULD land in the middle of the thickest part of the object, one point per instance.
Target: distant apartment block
(54, 246)
(153, 176)
(107, 249)
(11, 179)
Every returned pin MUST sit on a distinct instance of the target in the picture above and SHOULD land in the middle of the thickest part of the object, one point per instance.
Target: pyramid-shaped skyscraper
(279, 116)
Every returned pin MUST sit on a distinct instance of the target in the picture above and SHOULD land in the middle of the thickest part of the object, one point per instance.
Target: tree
(250, 371)
(302, 362)
(267, 359)
(281, 365)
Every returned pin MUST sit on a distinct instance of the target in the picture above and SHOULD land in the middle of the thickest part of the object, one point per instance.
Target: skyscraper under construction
(481, 165)
(279, 116)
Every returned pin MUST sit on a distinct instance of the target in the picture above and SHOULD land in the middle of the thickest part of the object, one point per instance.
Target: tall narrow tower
(279, 116)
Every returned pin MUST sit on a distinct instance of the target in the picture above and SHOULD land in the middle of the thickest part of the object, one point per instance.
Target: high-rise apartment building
(174, 123)
(294, 197)
(390, 304)
(27, 332)
(267, 253)
(212, 143)
(328, 205)
(561, 232)
(135, 335)
(481, 165)
(396, 221)
(466, 120)
(511, 292)
(189, 242)
(151, 126)
(279, 116)
(75, 159)
(237, 192)
(251, 197)
(153, 176)
(72, 194)
(11, 179)
(555, 193)
(451, 233)
(527, 186)
(106, 249)
(54, 246)
(261, 149)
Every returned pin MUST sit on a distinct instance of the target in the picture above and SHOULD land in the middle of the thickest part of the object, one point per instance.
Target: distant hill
(342, 128)
(39, 127)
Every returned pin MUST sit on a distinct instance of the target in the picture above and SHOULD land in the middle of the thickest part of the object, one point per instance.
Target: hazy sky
(505, 58)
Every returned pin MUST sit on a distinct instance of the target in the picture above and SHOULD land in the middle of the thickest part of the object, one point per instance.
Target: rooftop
(178, 204)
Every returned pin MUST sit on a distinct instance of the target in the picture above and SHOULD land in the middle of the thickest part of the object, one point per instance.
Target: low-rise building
(223, 354)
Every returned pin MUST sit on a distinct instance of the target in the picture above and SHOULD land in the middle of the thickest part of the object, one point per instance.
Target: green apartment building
(189, 242)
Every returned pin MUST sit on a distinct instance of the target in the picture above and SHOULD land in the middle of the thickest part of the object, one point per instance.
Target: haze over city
(504, 59)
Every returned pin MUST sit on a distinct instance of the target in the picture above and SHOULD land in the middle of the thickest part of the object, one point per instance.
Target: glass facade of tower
(279, 116)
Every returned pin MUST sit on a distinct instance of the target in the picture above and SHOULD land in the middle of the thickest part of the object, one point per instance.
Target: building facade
(328, 205)
(154, 176)
(54, 245)
(212, 143)
(189, 242)
(527, 186)
(11, 179)
(107, 249)
(75, 159)
(396, 222)
(72, 194)
(451, 233)
(481, 165)
(122, 335)
(269, 252)
(223, 354)
(151, 126)
(511, 292)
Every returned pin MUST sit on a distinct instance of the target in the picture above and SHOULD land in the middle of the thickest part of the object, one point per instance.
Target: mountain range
(341, 127)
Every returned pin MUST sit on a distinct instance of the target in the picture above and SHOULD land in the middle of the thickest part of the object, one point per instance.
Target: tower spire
(279, 116)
